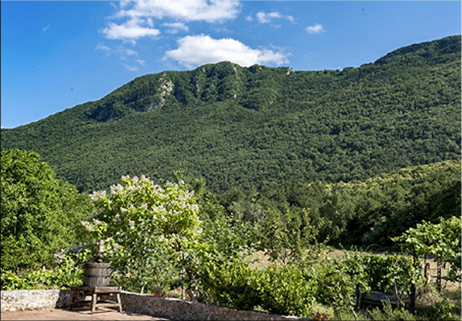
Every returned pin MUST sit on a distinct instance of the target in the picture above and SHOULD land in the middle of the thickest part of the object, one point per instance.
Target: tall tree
(40, 214)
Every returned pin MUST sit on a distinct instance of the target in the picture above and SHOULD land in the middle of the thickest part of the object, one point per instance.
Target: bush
(232, 285)
(285, 290)
(67, 273)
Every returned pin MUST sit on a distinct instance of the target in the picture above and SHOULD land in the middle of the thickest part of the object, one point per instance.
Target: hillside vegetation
(176, 238)
(259, 127)
(355, 213)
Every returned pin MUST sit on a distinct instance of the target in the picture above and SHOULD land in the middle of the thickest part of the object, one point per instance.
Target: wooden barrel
(96, 274)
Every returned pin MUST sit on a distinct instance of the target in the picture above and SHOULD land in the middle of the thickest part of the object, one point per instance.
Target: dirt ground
(81, 314)
(260, 260)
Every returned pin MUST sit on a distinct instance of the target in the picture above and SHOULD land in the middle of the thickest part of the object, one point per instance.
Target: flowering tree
(145, 229)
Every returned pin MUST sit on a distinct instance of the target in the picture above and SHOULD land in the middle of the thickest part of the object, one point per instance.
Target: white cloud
(125, 54)
(176, 27)
(317, 28)
(130, 52)
(186, 10)
(223, 30)
(139, 15)
(268, 17)
(102, 47)
(198, 50)
(46, 28)
(132, 68)
(130, 30)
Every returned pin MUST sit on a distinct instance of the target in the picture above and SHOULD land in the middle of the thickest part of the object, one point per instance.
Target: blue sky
(58, 54)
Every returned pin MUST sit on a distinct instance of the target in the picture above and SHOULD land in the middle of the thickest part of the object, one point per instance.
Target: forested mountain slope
(357, 212)
(260, 126)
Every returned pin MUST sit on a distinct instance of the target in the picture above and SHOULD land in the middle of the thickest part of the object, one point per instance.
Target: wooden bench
(96, 292)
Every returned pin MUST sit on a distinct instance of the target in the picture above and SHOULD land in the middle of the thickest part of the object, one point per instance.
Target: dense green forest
(357, 213)
(260, 127)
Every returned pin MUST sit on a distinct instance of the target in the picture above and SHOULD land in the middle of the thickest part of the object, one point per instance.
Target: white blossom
(59, 257)
(87, 225)
(97, 222)
(116, 188)
(95, 196)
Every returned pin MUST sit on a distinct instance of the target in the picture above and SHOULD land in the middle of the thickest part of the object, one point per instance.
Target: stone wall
(34, 299)
(174, 309)
(177, 309)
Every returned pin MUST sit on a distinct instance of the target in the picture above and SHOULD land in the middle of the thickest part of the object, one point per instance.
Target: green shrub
(232, 285)
(390, 314)
(285, 290)
(11, 281)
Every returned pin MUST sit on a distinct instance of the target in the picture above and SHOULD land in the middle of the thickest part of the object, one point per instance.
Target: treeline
(258, 127)
(358, 213)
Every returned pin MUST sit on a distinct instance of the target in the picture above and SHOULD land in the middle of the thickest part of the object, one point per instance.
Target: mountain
(260, 126)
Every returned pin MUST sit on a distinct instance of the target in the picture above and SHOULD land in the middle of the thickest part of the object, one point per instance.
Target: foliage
(354, 213)
(282, 290)
(286, 236)
(285, 290)
(147, 229)
(386, 272)
(232, 285)
(11, 281)
(441, 240)
(390, 314)
(436, 304)
(40, 214)
(336, 280)
(255, 127)
(301, 289)
(68, 272)
(321, 312)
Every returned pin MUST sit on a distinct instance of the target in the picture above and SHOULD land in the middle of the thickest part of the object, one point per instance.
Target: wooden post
(413, 288)
(413, 298)
(119, 302)
(438, 276)
(398, 297)
(94, 299)
(428, 275)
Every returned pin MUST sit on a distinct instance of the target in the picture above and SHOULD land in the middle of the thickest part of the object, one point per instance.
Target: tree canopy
(40, 214)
